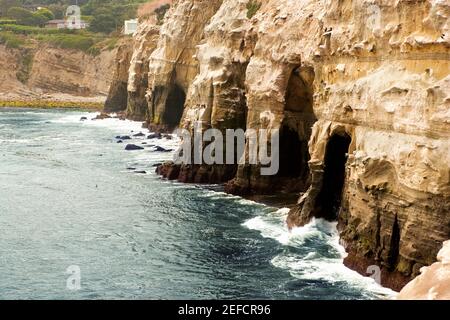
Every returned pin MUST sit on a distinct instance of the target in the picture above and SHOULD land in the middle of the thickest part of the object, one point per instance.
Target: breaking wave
(312, 252)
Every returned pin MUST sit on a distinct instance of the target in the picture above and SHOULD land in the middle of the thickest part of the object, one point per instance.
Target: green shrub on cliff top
(252, 8)
(69, 41)
(11, 40)
(23, 74)
(7, 21)
(28, 18)
(30, 30)
(82, 40)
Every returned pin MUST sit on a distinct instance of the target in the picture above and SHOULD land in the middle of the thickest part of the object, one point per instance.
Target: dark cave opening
(394, 245)
(328, 202)
(293, 158)
(295, 131)
(174, 106)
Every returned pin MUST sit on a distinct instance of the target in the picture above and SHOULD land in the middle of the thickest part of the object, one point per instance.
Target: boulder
(155, 136)
(133, 147)
(161, 149)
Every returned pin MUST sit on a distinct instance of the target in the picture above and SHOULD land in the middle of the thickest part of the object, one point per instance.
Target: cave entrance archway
(329, 199)
(295, 131)
(174, 108)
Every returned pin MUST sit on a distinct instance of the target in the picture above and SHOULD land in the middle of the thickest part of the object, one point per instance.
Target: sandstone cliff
(130, 85)
(145, 41)
(173, 65)
(359, 92)
(52, 73)
(118, 93)
(9, 65)
(433, 282)
(71, 71)
(216, 95)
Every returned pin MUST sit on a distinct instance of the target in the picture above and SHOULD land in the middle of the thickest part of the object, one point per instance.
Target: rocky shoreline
(362, 109)
(54, 101)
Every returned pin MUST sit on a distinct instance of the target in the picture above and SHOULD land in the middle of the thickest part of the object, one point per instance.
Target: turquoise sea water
(70, 196)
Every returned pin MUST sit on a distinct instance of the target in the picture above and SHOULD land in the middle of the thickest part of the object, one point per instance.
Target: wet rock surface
(362, 111)
(133, 147)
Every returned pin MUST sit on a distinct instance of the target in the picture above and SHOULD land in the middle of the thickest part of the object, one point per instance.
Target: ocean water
(70, 199)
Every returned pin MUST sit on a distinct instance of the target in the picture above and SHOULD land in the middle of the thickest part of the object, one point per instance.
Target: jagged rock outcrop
(433, 282)
(216, 97)
(118, 91)
(173, 65)
(359, 93)
(379, 151)
(145, 41)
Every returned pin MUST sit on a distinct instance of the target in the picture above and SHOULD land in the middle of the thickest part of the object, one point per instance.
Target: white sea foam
(218, 195)
(312, 265)
(247, 202)
(120, 126)
(127, 127)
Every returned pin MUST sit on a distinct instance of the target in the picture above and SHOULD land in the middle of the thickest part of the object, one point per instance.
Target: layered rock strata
(216, 97)
(45, 72)
(71, 71)
(173, 64)
(145, 41)
(433, 282)
(118, 91)
(358, 91)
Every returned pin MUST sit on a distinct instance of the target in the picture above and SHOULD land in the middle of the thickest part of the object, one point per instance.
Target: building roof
(57, 21)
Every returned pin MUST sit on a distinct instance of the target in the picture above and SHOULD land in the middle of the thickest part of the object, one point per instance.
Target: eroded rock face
(45, 73)
(173, 65)
(433, 282)
(71, 71)
(359, 93)
(145, 41)
(9, 65)
(118, 91)
(216, 96)
(384, 86)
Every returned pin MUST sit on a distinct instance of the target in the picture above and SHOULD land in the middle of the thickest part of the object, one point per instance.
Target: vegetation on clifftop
(22, 23)
(49, 104)
(18, 36)
(252, 8)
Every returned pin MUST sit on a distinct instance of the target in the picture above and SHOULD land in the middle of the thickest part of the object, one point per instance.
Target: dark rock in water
(157, 165)
(168, 136)
(102, 116)
(140, 134)
(123, 137)
(83, 118)
(119, 141)
(132, 147)
(155, 136)
(161, 149)
(169, 170)
(141, 172)
(131, 168)
(144, 142)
